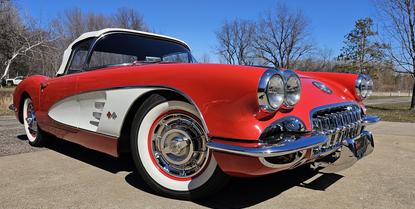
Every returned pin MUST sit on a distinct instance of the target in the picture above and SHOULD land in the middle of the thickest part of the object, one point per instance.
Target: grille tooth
(338, 123)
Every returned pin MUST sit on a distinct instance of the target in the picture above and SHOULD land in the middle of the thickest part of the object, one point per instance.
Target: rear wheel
(34, 134)
(168, 145)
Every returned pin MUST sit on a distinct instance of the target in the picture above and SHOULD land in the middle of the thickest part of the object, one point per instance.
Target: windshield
(123, 49)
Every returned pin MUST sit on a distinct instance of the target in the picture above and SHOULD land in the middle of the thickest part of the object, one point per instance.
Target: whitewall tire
(168, 144)
(34, 135)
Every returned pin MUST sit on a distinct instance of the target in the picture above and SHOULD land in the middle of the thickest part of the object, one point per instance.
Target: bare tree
(74, 23)
(235, 42)
(320, 60)
(19, 39)
(282, 37)
(400, 25)
(205, 58)
(130, 19)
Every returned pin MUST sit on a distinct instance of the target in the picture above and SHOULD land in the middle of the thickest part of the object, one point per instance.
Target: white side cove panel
(99, 111)
(66, 111)
(118, 101)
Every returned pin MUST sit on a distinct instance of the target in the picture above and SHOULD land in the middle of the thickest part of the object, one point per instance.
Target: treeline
(281, 38)
(28, 48)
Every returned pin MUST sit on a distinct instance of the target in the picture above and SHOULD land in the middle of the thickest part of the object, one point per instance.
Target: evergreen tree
(362, 53)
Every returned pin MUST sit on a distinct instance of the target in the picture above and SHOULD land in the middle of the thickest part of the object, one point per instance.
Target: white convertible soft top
(98, 33)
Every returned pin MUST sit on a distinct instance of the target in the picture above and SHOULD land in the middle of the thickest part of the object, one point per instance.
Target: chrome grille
(338, 123)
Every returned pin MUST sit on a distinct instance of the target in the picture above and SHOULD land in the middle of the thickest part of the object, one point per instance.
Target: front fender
(28, 87)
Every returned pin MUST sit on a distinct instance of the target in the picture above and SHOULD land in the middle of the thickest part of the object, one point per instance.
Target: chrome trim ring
(287, 75)
(263, 101)
(178, 145)
(363, 81)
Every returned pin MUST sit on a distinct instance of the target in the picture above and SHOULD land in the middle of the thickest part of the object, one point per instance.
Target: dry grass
(392, 112)
(385, 97)
(6, 98)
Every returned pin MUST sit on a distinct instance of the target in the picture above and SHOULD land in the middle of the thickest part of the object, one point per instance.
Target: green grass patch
(398, 112)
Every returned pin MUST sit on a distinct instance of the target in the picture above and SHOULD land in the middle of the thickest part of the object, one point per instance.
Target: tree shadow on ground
(238, 193)
(244, 192)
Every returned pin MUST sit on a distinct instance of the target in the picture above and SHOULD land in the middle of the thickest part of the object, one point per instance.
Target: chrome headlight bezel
(263, 96)
(292, 96)
(363, 86)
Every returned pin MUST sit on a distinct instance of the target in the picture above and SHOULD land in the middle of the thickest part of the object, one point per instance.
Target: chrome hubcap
(178, 144)
(31, 119)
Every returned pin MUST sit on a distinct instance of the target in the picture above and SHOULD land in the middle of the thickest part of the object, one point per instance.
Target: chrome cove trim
(287, 146)
(12, 108)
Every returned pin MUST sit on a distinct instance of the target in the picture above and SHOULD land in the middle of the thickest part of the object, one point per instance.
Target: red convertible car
(189, 126)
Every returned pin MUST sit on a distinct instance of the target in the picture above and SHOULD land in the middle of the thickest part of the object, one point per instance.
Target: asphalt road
(65, 175)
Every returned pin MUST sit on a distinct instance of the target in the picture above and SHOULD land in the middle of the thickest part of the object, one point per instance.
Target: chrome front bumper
(356, 147)
(288, 147)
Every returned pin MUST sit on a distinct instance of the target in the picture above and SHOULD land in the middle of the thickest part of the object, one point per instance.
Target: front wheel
(34, 134)
(168, 144)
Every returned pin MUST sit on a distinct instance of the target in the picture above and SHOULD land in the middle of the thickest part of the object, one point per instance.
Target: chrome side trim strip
(286, 147)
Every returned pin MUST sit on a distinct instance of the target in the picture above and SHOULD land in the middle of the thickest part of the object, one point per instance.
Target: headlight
(364, 86)
(275, 91)
(278, 88)
(292, 90)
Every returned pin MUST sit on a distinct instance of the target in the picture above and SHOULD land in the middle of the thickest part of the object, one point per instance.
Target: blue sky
(195, 22)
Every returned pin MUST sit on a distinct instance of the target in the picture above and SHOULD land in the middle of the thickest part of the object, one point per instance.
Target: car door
(59, 107)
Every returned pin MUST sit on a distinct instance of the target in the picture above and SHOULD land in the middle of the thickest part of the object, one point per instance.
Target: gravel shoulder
(12, 137)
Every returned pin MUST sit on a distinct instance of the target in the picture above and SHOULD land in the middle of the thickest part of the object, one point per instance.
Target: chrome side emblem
(322, 87)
